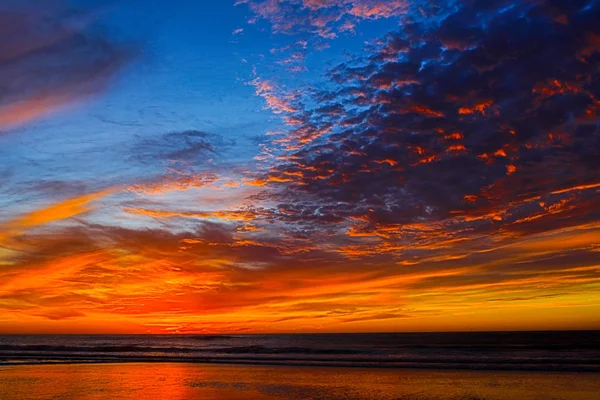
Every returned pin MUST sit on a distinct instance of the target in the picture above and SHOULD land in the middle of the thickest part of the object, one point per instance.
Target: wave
(511, 351)
(283, 356)
(145, 349)
(313, 362)
(257, 349)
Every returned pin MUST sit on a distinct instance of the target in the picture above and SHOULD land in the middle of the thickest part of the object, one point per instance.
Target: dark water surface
(544, 351)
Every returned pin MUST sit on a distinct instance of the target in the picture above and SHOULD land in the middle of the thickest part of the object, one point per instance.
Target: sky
(266, 166)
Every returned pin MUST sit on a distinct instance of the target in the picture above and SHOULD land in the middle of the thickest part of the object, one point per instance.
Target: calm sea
(559, 351)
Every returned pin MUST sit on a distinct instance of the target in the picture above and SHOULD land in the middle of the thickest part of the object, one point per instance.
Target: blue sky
(192, 68)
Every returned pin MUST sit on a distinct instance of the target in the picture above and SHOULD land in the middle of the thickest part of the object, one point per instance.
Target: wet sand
(201, 381)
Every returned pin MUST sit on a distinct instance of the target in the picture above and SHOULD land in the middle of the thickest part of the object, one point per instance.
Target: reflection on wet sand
(198, 381)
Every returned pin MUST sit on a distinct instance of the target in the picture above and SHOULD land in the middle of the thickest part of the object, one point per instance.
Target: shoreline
(423, 366)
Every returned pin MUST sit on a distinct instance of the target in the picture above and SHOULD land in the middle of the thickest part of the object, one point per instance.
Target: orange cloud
(145, 281)
(172, 184)
(480, 107)
(378, 9)
(277, 101)
(56, 212)
(27, 110)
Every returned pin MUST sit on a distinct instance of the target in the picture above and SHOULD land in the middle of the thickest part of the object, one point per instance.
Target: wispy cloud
(51, 59)
(325, 18)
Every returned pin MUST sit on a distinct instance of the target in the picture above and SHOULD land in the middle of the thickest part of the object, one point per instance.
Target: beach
(209, 381)
(408, 366)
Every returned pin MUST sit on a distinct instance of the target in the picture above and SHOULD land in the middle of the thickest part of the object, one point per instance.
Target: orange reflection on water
(197, 381)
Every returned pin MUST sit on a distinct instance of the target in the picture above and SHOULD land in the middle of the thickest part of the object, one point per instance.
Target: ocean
(577, 351)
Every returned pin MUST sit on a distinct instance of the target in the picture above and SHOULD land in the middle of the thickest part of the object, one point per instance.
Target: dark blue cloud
(491, 114)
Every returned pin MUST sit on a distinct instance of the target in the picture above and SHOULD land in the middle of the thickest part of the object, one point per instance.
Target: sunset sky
(299, 165)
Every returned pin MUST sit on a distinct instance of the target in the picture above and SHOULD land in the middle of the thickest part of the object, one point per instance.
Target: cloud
(50, 60)
(470, 127)
(176, 147)
(277, 100)
(325, 18)
(53, 213)
(205, 276)
(314, 24)
(179, 161)
(60, 314)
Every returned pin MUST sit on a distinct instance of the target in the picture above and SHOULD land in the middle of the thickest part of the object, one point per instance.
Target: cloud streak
(51, 60)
